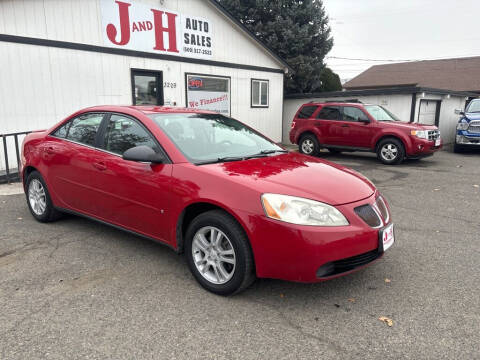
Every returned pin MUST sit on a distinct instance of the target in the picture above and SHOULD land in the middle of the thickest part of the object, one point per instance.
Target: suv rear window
(306, 112)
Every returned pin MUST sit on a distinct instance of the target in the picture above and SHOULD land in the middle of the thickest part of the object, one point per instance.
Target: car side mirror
(143, 153)
(459, 112)
(364, 120)
(462, 113)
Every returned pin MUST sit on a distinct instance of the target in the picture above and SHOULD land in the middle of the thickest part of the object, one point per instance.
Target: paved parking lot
(78, 289)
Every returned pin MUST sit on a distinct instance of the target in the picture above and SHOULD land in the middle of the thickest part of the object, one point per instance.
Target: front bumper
(296, 253)
(423, 148)
(464, 138)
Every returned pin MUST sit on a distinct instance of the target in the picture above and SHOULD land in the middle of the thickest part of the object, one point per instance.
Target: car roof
(146, 109)
(337, 103)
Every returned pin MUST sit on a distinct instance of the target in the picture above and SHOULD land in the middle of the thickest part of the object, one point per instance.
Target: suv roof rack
(345, 101)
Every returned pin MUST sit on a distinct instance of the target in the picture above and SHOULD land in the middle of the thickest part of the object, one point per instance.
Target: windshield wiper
(266, 152)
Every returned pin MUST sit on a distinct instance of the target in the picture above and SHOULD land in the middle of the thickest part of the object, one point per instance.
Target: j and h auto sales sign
(136, 26)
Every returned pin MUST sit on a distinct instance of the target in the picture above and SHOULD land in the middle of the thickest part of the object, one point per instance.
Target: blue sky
(401, 29)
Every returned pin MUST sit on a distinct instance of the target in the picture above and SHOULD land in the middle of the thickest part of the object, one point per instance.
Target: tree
(298, 31)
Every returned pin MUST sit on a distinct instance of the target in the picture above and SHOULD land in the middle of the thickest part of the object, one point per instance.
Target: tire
(334, 151)
(458, 149)
(308, 145)
(391, 151)
(38, 199)
(240, 274)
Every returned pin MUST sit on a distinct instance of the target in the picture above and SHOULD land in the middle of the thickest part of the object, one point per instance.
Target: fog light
(420, 147)
(459, 139)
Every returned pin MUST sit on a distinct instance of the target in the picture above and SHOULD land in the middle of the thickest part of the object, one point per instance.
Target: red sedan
(237, 204)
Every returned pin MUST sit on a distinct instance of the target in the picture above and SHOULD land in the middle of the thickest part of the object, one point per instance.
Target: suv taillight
(293, 124)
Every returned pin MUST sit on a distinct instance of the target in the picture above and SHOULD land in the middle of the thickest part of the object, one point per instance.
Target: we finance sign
(135, 26)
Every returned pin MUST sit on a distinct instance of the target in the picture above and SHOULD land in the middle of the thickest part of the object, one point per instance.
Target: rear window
(306, 112)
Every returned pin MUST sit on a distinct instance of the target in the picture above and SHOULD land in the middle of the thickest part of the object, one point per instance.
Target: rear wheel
(308, 145)
(218, 253)
(38, 199)
(391, 151)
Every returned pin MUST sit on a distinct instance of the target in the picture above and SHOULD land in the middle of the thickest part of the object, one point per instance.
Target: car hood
(472, 116)
(297, 175)
(410, 126)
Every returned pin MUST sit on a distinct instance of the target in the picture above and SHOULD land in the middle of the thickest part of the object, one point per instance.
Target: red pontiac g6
(238, 205)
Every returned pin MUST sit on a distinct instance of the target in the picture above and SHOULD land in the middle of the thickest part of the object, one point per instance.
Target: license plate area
(437, 142)
(386, 238)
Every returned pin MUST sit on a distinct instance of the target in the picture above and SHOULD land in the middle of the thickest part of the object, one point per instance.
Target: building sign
(208, 93)
(135, 26)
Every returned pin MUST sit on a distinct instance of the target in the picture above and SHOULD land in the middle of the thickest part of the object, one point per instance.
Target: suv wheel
(390, 151)
(308, 145)
(38, 199)
(218, 253)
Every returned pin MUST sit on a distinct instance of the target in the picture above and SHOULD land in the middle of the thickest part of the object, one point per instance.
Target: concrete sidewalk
(11, 189)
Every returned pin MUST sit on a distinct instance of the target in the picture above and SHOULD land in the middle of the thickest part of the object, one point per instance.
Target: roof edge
(398, 90)
(272, 53)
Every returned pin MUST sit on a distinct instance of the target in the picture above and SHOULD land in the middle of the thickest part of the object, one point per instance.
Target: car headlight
(422, 134)
(463, 125)
(301, 211)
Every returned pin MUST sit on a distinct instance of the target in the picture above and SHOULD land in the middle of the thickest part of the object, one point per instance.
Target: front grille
(348, 264)
(433, 135)
(369, 215)
(382, 208)
(474, 127)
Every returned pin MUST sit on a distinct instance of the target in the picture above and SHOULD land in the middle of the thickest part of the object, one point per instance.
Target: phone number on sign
(197, 51)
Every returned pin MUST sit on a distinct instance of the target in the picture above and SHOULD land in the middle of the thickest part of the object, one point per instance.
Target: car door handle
(100, 166)
(345, 125)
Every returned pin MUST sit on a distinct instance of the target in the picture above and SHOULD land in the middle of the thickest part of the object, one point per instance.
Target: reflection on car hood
(472, 116)
(297, 175)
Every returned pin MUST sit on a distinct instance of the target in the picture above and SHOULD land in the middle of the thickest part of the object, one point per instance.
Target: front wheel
(391, 151)
(218, 253)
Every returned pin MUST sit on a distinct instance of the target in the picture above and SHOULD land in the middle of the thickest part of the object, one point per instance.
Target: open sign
(195, 83)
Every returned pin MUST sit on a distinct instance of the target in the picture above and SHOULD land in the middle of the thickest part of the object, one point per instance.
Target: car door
(327, 121)
(136, 195)
(71, 160)
(355, 127)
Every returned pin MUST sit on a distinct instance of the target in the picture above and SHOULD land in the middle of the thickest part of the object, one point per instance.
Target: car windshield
(474, 106)
(210, 138)
(380, 113)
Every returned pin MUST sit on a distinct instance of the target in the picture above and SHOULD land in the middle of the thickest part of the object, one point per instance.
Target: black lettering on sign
(186, 39)
(188, 25)
(209, 41)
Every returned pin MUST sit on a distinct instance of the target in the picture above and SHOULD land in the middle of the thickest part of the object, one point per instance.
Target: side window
(329, 113)
(353, 114)
(83, 129)
(124, 133)
(61, 132)
(306, 112)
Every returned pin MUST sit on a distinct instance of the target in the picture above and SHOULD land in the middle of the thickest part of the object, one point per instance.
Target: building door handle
(100, 166)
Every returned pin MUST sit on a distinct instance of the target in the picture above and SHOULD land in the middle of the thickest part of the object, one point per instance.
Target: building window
(208, 92)
(147, 87)
(259, 93)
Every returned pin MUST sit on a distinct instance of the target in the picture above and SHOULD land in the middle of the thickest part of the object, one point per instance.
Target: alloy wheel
(307, 146)
(37, 197)
(213, 255)
(389, 152)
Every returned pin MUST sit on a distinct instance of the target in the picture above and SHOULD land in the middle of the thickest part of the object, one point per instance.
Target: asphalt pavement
(76, 289)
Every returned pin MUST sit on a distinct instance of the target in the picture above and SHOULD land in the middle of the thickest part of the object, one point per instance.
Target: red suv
(341, 126)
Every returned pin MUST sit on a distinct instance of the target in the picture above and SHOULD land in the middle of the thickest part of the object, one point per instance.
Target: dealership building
(57, 57)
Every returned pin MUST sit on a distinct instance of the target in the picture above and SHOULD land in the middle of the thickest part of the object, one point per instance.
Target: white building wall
(80, 21)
